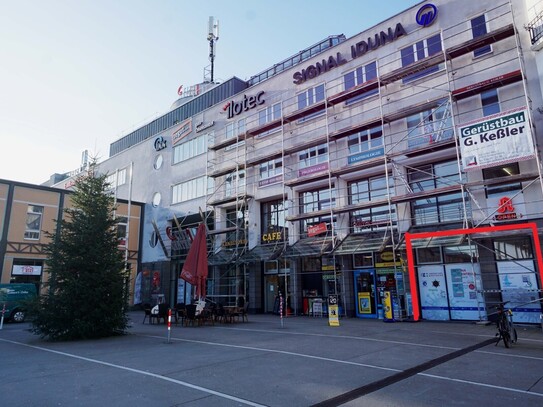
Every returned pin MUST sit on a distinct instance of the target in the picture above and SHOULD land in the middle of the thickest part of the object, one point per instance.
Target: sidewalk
(302, 362)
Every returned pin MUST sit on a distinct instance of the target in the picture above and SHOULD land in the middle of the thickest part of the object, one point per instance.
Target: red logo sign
(317, 229)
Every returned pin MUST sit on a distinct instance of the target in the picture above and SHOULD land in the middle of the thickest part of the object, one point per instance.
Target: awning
(364, 242)
(264, 252)
(224, 256)
(311, 247)
(453, 240)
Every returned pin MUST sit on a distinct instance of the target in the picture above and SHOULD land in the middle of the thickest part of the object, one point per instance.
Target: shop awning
(363, 242)
(264, 252)
(224, 256)
(310, 247)
(453, 240)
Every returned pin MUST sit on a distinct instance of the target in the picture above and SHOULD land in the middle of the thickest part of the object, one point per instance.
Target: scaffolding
(371, 155)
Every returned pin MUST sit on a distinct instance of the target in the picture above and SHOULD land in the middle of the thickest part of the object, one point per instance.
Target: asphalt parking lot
(301, 362)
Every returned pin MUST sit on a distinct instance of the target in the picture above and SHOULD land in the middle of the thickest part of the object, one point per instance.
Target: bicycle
(506, 329)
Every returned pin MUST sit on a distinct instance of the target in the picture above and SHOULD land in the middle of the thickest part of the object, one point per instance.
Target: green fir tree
(86, 294)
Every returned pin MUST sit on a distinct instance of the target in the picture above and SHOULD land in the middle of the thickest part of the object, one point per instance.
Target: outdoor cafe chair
(147, 310)
(162, 313)
(180, 313)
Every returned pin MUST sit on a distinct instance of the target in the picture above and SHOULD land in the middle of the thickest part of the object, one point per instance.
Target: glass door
(365, 293)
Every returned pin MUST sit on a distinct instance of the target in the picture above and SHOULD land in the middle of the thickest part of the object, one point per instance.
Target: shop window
(34, 215)
(365, 140)
(490, 102)
(310, 97)
(478, 28)
(361, 75)
(503, 172)
(235, 218)
(418, 51)
(363, 260)
(27, 271)
(519, 248)
(427, 255)
(460, 254)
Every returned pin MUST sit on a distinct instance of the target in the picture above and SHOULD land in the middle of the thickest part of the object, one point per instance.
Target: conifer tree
(86, 296)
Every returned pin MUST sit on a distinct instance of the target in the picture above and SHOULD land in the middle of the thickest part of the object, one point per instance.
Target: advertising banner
(494, 140)
(464, 281)
(433, 293)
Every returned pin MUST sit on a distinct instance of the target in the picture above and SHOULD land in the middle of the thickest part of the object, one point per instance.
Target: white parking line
(531, 393)
(142, 372)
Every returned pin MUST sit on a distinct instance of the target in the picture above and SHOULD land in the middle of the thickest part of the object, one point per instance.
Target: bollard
(2, 319)
(169, 324)
(281, 308)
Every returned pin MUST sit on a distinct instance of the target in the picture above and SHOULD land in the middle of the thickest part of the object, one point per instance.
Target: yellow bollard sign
(387, 306)
(333, 311)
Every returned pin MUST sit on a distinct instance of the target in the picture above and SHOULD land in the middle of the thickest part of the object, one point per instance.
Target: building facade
(28, 212)
(317, 176)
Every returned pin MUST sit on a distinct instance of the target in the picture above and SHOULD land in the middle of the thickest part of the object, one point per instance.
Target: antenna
(212, 37)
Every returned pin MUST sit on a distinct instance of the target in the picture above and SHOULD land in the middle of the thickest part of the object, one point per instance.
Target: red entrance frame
(424, 235)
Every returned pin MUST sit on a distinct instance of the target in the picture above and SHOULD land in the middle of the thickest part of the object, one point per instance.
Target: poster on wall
(518, 283)
(433, 293)
(498, 139)
(464, 281)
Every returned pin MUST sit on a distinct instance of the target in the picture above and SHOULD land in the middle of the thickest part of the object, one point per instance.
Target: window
(273, 219)
(313, 156)
(116, 179)
(503, 172)
(478, 28)
(358, 76)
(235, 183)
(513, 249)
(418, 51)
(34, 215)
(378, 217)
(365, 140)
(271, 168)
(312, 201)
(430, 126)
(122, 228)
(188, 190)
(190, 149)
(490, 102)
(310, 97)
(426, 255)
(267, 115)
(441, 208)
(235, 218)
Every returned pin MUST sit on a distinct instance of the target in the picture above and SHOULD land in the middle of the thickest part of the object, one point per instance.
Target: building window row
(194, 188)
(190, 149)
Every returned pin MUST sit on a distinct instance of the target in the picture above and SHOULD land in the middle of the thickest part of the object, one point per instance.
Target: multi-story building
(28, 213)
(319, 175)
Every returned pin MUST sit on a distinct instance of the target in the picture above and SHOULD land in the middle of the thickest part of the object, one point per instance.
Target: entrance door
(271, 292)
(365, 293)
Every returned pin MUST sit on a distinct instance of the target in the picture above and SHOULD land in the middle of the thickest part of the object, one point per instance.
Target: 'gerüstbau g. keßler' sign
(498, 139)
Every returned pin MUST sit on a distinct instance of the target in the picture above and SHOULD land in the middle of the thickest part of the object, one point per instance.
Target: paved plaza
(301, 362)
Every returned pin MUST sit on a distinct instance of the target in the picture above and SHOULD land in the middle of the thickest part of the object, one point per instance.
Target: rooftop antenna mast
(212, 37)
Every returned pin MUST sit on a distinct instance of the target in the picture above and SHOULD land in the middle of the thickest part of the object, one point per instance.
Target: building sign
(357, 50)
(26, 270)
(317, 229)
(314, 169)
(272, 237)
(426, 15)
(180, 240)
(182, 131)
(269, 181)
(160, 143)
(188, 91)
(507, 208)
(366, 155)
(234, 108)
(233, 243)
(204, 126)
(495, 140)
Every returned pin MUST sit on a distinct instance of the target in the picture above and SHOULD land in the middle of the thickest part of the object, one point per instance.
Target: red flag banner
(195, 268)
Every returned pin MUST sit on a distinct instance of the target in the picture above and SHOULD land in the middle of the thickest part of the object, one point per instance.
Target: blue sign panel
(426, 15)
(366, 155)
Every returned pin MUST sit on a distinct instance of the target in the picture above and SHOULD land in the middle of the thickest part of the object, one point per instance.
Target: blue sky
(77, 75)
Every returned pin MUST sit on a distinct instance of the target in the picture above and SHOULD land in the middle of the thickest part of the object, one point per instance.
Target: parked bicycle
(506, 329)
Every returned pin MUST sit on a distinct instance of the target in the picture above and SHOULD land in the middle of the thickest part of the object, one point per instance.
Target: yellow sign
(387, 306)
(364, 303)
(333, 315)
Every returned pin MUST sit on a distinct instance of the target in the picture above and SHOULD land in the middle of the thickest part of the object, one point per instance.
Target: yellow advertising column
(333, 311)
